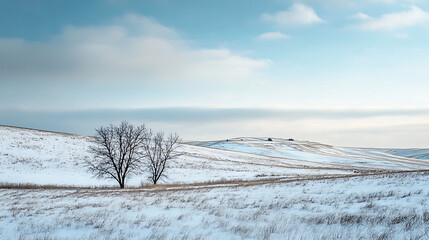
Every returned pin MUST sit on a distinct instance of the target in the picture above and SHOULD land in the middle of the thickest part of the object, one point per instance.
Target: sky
(343, 72)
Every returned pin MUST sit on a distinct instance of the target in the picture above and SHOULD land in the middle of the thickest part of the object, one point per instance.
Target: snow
(41, 157)
(392, 206)
(243, 188)
(317, 153)
(408, 153)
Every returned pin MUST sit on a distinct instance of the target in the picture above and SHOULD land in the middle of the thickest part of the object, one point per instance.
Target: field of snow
(389, 206)
(241, 188)
(42, 157)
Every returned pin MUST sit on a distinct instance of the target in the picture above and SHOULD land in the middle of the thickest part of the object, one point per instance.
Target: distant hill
(44, 157)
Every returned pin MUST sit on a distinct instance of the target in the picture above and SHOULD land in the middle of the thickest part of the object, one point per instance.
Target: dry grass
(223, 183)
(325, 209)
(49, 186)
(43, 131)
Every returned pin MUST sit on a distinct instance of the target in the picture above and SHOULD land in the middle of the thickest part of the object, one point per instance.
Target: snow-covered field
(242, 188)
(394, 206)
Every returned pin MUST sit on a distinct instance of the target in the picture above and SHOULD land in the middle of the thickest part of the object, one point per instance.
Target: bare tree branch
(159, 150)
(118, 151)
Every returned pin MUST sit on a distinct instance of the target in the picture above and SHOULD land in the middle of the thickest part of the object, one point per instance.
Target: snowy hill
(43, 157)
(316, 154)
(281, 190)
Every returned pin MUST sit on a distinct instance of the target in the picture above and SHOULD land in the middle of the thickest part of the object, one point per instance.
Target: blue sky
(68, 59)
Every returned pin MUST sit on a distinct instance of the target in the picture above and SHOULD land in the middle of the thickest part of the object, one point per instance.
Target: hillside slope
(43, 157)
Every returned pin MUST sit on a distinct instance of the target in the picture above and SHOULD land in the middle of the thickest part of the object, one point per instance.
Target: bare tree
(118, 151)
(159, 150)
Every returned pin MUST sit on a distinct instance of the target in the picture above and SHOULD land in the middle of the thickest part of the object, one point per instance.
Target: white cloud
(273, 36)
(393, 1)
(361, 16)
(355, 3)
(297, 14)
(134, 48)
(382, 1)
(397, 20)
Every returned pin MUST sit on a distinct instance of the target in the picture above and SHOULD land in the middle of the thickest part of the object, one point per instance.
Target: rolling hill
(44, 157)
